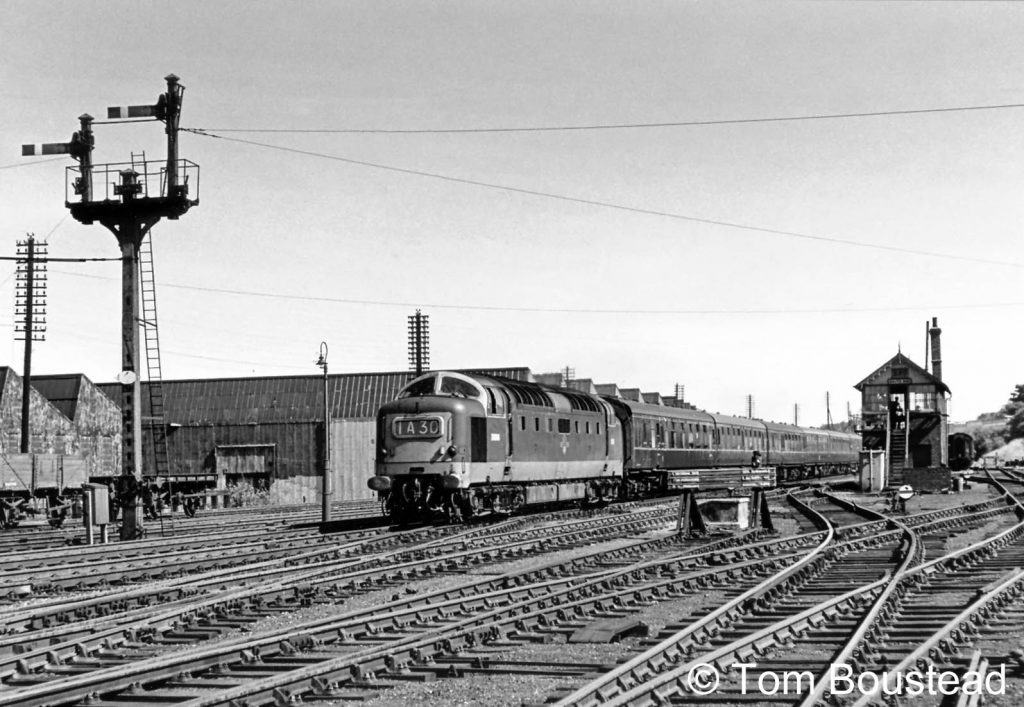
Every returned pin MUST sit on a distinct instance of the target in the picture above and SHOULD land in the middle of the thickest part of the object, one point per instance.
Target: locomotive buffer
(130, 203)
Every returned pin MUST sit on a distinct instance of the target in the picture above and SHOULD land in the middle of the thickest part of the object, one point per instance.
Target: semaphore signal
(129, 205)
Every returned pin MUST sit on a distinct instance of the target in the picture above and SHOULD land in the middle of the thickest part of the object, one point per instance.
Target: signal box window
(564, 426)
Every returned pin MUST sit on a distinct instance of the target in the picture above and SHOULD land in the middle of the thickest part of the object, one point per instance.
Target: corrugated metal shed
(281, 399)
(286, 412)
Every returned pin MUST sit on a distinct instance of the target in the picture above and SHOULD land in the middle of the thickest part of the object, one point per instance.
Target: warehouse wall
(51, 432)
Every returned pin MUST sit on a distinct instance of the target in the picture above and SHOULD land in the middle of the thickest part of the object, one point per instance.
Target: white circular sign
(905, 492)
(127, 377)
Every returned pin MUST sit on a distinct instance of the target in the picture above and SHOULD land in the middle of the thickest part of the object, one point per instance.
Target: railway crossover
(850, 586)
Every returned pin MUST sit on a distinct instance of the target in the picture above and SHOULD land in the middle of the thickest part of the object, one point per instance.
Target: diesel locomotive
(462, 444)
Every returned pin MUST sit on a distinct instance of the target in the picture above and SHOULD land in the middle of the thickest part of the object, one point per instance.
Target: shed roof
(280, 399)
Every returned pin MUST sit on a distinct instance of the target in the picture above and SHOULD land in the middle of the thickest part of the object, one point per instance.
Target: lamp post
(326, 484)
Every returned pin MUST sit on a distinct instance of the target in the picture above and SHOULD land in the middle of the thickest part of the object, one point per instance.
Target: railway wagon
(40, 475)
(961, 451)
(463, 444)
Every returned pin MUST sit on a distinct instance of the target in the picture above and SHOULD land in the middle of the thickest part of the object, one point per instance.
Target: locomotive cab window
(459, 388)
(418, 389)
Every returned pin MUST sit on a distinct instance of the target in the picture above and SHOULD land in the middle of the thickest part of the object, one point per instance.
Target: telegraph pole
(30, 318)
(128, 208)
(419, 342)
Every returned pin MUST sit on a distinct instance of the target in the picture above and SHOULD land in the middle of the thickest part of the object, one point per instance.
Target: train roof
(686, 414)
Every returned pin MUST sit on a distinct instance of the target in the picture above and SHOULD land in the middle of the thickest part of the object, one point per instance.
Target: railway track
(831, 588)
(864, 628)
(467, 549)
(540, 596)
(39, 538)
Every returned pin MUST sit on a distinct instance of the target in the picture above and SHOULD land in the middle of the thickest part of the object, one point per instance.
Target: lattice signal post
(129, 203)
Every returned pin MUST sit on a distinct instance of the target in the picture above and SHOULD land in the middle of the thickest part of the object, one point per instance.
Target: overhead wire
(612, 205)
(556, 310)
(13, 165)
(616, 126)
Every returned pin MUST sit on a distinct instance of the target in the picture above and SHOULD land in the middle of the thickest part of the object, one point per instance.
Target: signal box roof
(900, 370)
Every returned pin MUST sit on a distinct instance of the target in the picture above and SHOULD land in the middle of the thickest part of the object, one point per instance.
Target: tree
(1018, 394)
(1016, 402)
(1015, 427)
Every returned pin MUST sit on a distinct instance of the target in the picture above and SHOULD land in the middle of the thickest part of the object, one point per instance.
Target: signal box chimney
(936, 351)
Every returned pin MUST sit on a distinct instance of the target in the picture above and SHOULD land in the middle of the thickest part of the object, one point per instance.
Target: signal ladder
(157, 428)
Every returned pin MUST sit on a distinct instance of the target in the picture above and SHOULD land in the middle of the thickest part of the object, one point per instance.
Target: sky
(783, 259)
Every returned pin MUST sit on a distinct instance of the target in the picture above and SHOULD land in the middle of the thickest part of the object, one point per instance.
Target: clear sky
(613, 272)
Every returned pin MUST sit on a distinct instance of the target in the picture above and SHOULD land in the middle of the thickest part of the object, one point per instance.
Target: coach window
(563, 426)
(588, 426)
(522, 422)
(577, 426)
(550, 425)
(536, 424)
(598, 428)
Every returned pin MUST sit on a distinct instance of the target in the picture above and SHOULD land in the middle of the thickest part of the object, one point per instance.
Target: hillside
(1012, 450)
